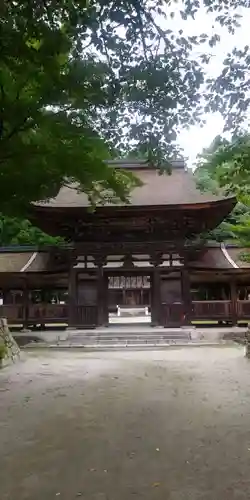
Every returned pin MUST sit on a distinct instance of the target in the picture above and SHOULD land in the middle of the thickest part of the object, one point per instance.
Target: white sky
(196, 138)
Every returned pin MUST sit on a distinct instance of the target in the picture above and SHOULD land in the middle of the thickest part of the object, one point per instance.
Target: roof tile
(178, 188)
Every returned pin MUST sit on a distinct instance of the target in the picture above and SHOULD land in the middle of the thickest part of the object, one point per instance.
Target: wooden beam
(26, 302)
(122, 247)
(234, 297)
(186, 296)
(72, 298)
(102, 297)
(156, 297)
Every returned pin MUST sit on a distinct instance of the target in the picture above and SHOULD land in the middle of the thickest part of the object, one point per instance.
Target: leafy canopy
(17, 231)
(225, 164)
(82, 81)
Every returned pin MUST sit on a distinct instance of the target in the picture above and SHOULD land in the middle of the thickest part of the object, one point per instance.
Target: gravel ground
(172, 425)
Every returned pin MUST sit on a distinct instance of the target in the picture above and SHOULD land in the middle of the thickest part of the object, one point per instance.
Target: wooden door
(172, 308)
(86, 313)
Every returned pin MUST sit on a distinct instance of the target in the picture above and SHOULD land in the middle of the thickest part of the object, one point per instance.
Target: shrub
(3, 351)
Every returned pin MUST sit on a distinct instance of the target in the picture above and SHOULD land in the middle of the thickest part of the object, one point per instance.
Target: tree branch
(2, 92)
(160, 33)
(18, 128)
(142, 32)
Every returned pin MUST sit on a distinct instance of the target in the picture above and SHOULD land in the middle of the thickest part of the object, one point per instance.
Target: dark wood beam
(186, 295)
(72, 290)
(234, 297)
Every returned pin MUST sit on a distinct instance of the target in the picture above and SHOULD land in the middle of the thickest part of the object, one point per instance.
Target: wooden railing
(211, 309)
(205, 310)
(243, 309)
(172, 314)
(14, 313)
(48, 313)
(34, 314)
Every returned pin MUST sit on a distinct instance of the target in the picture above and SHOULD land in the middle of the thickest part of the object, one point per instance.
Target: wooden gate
(172, 315)
(172, 307)
(86, 316)
(85, 311)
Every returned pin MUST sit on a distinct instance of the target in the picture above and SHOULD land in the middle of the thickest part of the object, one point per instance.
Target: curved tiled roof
(179, 188)
(13, 262)
(236, 255)
(213, 257)
(18, 262)
(222, 256)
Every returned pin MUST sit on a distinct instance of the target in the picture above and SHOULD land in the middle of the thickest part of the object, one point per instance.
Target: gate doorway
(129, 299)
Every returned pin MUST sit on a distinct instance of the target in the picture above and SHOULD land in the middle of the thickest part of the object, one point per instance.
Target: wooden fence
(172, 314)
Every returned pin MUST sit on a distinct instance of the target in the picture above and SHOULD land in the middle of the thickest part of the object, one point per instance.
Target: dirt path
(170, 425)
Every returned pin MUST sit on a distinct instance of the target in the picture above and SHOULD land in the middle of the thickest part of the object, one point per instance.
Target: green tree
(49, 100)
(16, 231)
(81, 81)
(230, 164)
(234, 228)
(227, 164)
(222, 166)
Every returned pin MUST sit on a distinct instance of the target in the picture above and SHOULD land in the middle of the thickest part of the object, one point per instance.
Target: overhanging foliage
(82, 81)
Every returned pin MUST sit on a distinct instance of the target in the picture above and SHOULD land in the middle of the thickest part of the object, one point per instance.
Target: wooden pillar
(43, 295)
(102, 290)
(156, 297)
(234, 297)
(186, 296)
(102, 297)
(106, 299)
(72, 294)
(4, 295)
(141, 297)
(26, 304)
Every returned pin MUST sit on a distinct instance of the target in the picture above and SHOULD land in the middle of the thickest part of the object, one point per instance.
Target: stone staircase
(125, 337)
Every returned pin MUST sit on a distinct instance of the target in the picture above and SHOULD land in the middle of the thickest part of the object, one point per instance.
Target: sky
(196, 138)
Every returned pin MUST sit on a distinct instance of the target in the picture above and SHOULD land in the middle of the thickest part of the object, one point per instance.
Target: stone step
(130, 343)
(119, 334)
(123, 339)
(109, 338)
(127, 339)
(128, 329)
(120, 345)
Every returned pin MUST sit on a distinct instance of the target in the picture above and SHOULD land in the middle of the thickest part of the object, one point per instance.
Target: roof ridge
(134, 163)
(19, 248)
